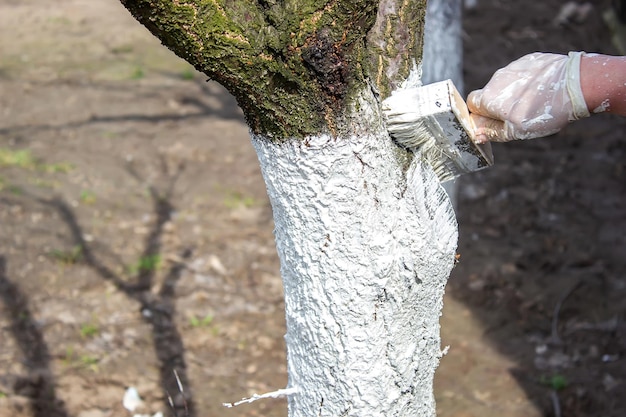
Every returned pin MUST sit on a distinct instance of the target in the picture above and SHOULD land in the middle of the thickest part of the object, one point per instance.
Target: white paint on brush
(366, 238)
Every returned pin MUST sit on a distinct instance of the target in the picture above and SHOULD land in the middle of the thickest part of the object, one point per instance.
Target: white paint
(131, 400)
(366, 243)
(435, 119)
(255, 397)
(604, 106)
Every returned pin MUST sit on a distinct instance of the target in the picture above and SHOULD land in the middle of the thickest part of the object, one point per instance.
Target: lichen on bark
(395, 43)
(290, 64)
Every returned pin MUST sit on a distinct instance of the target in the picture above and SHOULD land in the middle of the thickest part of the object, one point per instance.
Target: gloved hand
(535, 96)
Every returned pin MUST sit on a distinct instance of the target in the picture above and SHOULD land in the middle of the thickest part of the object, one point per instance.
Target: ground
(136, 235)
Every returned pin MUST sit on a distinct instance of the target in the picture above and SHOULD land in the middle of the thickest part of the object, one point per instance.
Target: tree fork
(293, 66)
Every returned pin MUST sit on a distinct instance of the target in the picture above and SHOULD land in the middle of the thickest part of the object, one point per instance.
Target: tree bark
(365, 233)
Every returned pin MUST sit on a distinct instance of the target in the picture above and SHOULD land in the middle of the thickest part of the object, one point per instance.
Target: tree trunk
(443, 53)
(365, 233)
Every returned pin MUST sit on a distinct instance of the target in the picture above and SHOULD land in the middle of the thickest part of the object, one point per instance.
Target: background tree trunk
(365, 233)
(443, 52)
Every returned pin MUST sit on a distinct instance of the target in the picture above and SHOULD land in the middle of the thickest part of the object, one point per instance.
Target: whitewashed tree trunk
(366, 238)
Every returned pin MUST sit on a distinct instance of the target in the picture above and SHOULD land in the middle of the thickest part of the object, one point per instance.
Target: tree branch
(292, 65)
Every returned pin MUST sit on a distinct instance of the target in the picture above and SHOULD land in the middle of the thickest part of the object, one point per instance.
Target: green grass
(83, 361)
(89, 361)
(13, 189)
(137, 74)
(146, 264)
(235, 199)
(201, 322)
(187, 74)
(88, 330)
(556, 382)
(87, 197)
(122, 49)
(62, 168)
(23, 158)
(109, 134)
(44, 183)
(68, 257)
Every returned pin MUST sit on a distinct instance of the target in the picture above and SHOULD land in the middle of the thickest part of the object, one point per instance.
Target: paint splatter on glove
(535, 96)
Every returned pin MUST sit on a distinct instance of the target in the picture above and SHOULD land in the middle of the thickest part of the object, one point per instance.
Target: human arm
(603, 82)
(539, 94)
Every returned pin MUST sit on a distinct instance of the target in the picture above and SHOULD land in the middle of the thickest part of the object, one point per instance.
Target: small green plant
(201, 322)
(109, 134)
(556, 382)
(87, 197)
(68, 257)
(21, 158)
(187, 74)
(89, 361)
(89, 330)
(84, 361)
(14, 189)
(146, 263)
(60, 20)
(60, 167)
(44, 183)
(122, 49)
(137, 74)
(3, 394)
(236, 199)
(69, 355)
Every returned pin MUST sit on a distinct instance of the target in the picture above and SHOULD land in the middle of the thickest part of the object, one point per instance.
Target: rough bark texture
(293, 65)
(290, 64)
(395, 43)
(366, 242)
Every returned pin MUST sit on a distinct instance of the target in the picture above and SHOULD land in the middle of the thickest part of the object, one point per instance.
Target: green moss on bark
(256, 51)
(293, 65)
(395, 43)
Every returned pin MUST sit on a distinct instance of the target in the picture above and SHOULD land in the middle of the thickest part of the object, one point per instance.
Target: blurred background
(136, 235)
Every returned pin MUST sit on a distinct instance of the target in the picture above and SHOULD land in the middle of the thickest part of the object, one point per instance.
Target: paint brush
(433, 121)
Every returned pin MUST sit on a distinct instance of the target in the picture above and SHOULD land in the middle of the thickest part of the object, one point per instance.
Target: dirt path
(136, 236)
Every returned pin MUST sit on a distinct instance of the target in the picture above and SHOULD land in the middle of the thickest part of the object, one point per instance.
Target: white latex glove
(535, 96)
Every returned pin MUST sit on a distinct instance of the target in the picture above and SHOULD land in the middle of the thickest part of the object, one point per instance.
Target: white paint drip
(131, 400)
(280, 393)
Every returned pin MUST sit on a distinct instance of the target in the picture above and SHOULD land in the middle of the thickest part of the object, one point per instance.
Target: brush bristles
(420, 136)
(433, 121)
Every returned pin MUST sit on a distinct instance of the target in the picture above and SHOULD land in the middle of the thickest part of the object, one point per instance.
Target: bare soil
(136, 235)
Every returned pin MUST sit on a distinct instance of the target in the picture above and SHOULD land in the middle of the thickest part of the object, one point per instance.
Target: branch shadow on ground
(156, 308)
(39, 385)
(225, 109)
